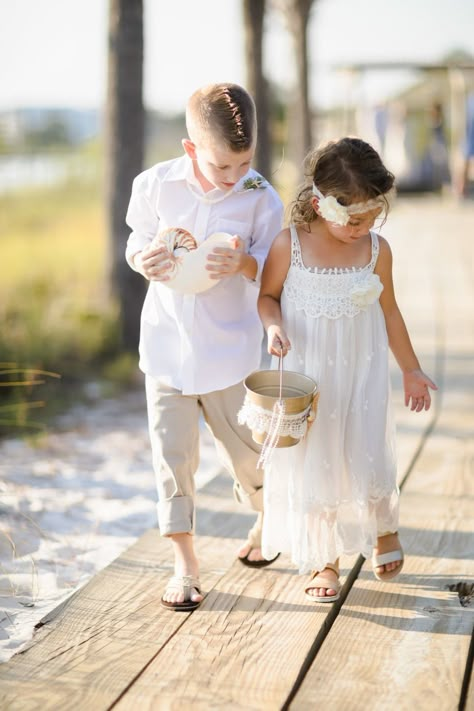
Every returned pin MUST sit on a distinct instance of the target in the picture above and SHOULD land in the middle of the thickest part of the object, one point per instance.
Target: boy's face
(218, 167)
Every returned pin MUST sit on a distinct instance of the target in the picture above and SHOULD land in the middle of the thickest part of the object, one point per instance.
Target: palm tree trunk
(299, 21)
(124, 155)
(254, 16)
(297, 13)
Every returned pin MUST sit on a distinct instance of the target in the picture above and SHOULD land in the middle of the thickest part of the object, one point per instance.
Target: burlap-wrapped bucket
(264, 388)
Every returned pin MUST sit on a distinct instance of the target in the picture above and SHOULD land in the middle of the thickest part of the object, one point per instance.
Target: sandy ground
(72, 502)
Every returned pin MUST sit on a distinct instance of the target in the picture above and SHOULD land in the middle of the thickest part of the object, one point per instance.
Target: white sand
(71, 503)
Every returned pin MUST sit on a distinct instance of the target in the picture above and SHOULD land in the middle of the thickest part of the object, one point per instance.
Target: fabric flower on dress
(333, 211)
(368, 291)
(257, 183)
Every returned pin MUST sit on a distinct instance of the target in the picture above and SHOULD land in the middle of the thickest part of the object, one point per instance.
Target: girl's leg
(388, 544)
(387, 558)
(173, 421)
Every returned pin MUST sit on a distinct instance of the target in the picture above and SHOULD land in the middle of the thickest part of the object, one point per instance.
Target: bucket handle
(278, 412)
(280, 367)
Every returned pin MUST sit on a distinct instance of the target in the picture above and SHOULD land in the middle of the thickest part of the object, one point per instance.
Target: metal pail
(298, 391)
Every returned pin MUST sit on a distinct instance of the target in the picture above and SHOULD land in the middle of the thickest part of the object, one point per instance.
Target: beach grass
(55, 311)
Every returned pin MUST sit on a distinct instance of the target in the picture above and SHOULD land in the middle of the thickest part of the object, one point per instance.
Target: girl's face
(357, 227)
(218, 167)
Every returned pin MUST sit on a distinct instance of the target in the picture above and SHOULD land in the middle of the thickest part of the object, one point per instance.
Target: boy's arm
(142, 218)
(268, 223)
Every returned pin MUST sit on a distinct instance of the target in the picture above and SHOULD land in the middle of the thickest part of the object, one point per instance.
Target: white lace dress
(336, 490)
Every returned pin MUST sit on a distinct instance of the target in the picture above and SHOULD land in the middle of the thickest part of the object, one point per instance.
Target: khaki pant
(173, 420)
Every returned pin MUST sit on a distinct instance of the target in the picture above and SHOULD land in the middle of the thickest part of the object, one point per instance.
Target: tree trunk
(297, 13)
(124, 156)
(299, 23)
(254, 16)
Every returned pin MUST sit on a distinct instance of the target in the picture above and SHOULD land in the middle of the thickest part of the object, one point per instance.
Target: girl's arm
(273, 277)
(415, 382)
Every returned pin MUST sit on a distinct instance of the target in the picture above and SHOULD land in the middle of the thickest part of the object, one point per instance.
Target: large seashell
(176, 238)
(189, 273)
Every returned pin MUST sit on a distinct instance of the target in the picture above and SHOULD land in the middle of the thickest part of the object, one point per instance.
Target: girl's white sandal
(319, 580)
(383, 559)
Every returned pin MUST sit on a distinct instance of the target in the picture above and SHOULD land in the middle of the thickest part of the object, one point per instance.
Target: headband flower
(332, 210)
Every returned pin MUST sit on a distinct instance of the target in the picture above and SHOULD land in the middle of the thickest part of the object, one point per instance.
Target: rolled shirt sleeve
(268, 223)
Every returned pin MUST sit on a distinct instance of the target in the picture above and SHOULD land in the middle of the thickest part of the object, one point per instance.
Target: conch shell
(188, 273)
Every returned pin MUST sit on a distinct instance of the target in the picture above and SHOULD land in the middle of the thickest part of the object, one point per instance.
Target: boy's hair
(349, 169)
(223, 115)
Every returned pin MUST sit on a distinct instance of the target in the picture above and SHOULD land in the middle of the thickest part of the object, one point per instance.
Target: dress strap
(375, 249)
(296, 258)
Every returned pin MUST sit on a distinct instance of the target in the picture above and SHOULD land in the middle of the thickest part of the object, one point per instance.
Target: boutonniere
(257, 183)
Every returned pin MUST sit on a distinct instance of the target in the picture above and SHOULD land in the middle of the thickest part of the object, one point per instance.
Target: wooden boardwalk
(256, 642)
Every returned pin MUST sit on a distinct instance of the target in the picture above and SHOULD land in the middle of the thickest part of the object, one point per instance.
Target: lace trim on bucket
(259, 420)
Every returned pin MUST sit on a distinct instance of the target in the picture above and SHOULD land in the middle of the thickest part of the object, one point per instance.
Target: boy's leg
(173, 421)
(239, 454)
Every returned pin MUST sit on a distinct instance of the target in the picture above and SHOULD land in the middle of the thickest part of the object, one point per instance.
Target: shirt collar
(182, 169)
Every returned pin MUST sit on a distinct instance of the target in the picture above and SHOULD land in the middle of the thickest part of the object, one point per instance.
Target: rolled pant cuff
(253, 500)
(176, 515)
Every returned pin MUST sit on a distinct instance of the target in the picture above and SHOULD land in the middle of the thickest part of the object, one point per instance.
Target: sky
(53, 52)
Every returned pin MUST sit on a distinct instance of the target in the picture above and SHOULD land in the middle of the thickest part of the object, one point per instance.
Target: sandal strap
(319, 580)
(384, 558)
(332, 566)
(184, 583)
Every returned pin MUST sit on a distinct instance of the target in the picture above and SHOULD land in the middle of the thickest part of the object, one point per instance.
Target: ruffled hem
(322, 534)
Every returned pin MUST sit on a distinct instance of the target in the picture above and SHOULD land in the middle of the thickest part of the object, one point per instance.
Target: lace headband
(333, 211)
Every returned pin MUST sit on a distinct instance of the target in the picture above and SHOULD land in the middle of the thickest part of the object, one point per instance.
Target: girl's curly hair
(349, 169)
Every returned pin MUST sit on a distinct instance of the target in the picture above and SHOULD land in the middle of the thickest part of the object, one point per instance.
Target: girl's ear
(315, 204)
(189, 148)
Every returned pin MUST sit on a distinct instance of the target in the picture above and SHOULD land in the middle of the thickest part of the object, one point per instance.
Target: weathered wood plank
(403, 645)
(94, 645)
(242, 649)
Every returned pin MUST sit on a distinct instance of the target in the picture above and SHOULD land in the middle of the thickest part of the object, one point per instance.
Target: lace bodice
(331, 292)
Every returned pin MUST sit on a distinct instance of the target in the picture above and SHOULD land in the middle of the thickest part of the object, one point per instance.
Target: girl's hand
(154, 263)
(278, 343)
(416, 384)
(225, 261)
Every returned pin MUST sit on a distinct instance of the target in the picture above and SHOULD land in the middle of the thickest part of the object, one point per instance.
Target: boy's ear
(189, 148)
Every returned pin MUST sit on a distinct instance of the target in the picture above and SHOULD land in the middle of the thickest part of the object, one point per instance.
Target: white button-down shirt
(212, 340)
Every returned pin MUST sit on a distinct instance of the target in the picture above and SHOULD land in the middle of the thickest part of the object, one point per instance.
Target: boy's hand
(416, 384)
(278, 343)
(154, 263)
(225, 261)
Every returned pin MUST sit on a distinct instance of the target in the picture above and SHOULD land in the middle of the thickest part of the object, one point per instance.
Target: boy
(196, 349)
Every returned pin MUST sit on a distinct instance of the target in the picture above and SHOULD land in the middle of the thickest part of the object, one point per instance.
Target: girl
(327, 304)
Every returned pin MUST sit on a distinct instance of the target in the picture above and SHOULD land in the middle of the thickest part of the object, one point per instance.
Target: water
(20, 171)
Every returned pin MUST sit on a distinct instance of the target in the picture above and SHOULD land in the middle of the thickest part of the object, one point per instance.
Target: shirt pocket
(235, 227)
